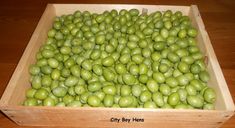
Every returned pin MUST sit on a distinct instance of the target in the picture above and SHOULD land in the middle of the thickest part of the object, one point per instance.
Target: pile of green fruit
(121, 59)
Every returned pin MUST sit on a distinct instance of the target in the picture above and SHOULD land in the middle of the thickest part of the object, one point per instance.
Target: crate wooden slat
(101, 117)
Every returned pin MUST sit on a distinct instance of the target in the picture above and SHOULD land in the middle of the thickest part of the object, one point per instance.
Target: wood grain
(18, 19)
(70, 117)
(19, 82)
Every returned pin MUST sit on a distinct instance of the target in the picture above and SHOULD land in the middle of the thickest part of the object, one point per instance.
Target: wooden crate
(107, 117)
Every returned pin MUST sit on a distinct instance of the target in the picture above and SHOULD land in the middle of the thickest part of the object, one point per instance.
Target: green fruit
(195, 101)
(41, 94)
(209, 95)
(93, 101)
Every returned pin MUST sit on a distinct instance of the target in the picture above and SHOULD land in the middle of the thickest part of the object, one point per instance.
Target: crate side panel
(213, 82)
(99, 8)
(19, 82)
(217, 81)
(108, 117)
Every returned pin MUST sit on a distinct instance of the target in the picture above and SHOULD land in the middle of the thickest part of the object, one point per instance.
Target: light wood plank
(100, 117)
(217, 81)
(19, 83)
(62, 9)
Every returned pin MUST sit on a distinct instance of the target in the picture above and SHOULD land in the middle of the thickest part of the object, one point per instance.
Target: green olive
(108, 61)
(84, 97)
(195, 101)
(128, 79)
(30, 93)
(192, 32)
(173, 57)
(86, 75)
(208, 107)
(36, 82)
(173, 99)
(183, 67)
(183, 94)
(110, 89)
(181, 106)
(59, 91)
(145, 96)
(87, 65)
(158, 99)
(48, 102)
(125, 90)
(134, 69)
(125, 101)
(71, 81)
(41, 94)
(74, 103)
(172, 82)
(165, 89)
(93, 101)
(34, 69)
(152, 85)
(109, 75)
(150, 104)
(30, 102)
(108, 100)
(94, 86)
(182, 80)
(136, 90)
(158, 77)
(204, 76)
(209, 95)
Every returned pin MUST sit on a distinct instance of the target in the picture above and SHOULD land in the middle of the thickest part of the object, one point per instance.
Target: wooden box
(107, 117)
